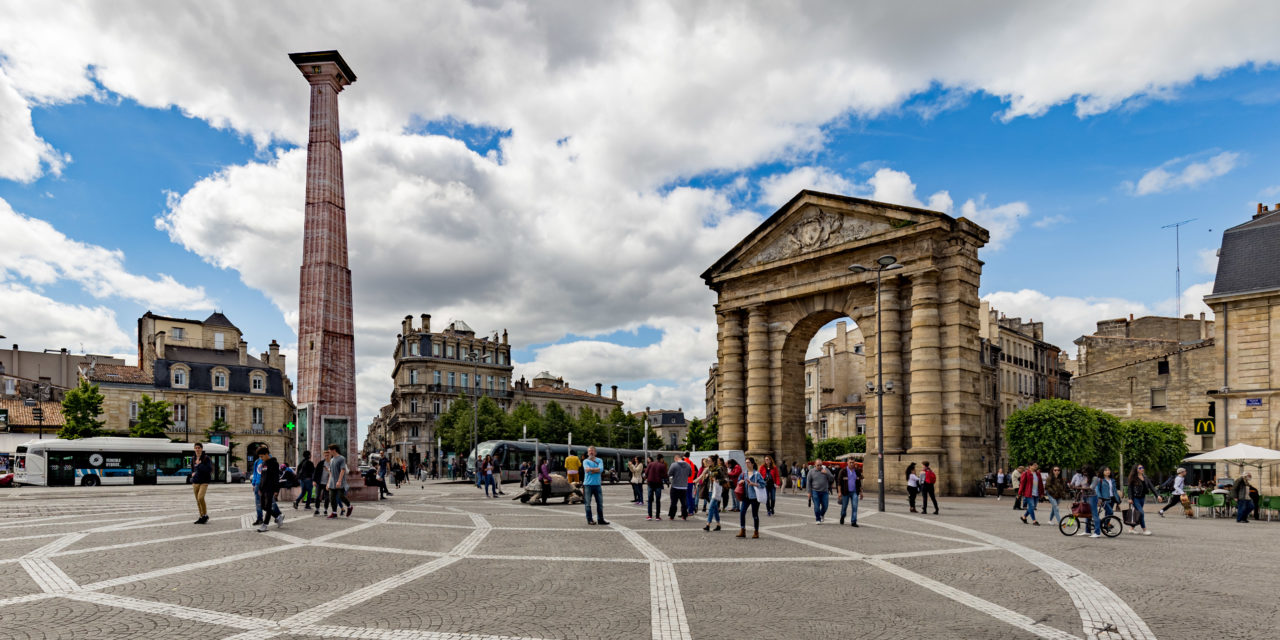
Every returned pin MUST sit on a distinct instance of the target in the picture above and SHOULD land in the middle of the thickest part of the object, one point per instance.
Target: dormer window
(257, 382)
(413, 348)
(180, 377)
(220, 379)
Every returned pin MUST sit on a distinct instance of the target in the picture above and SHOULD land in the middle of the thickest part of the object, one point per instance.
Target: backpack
(930, 477)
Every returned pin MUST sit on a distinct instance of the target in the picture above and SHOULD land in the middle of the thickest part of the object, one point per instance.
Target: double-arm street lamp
(473, 357)
(879, 387)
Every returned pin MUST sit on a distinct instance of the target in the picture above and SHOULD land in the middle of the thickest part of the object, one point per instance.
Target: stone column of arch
(926, 364)
(730, 403)
(958, 310)
(891, 322)
(759, 384)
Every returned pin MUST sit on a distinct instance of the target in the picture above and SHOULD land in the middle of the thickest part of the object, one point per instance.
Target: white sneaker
(262, 528)
(817, 522)
(1094, 535)
(1146, 533)
(280, 521)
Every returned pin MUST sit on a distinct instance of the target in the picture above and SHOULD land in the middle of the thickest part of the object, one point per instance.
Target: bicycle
(1109, 526)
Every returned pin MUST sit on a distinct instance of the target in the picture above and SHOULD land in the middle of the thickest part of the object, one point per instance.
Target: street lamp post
(884, 263)
(474, 357)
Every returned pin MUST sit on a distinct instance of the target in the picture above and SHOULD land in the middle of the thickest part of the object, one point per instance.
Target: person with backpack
(928, 490)
(773, 480)
(1030, 489)
(268, 487)
(306, 480)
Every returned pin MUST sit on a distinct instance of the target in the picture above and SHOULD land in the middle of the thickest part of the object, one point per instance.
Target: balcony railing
(468, 391)
(257, 428)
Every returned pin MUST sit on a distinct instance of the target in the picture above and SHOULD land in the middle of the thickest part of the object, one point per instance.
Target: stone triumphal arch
(791, 276)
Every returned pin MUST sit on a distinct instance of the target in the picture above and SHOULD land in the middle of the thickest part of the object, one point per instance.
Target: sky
(565, 171)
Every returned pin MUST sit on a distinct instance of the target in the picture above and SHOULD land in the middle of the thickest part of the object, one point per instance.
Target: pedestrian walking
(571, 466)
(485, 473)
(913, 486)
(384, 467)
(544, 480)
(254, 479)
(1002, 481)
(1108, 495)
(524, 473)
(637, 480)
(306, 480)
(338, 482)
(201, 476)
(655, 474)
(322, 481)
(691, 495)
(593, 486)
(497, 477)
(1056, 491)
(715, 487)
(1017, 482)
(1139, 487)
(752, 487)
(928, 490)
(773, 480)
(268, 487)
(819, 482)
(735, 472)
(1087, 486)
(679, 475)
(849, 486)
(1030, 489)
(1244, 503)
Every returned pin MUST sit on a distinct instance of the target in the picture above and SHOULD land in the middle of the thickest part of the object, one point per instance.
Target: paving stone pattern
(441, 562)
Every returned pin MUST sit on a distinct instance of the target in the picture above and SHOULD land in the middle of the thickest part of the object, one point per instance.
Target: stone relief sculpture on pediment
(817, 229)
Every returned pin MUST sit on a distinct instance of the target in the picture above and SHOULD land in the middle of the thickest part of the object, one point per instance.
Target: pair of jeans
(713, 512)
(487, 482)
(655, 499)
(1243, 508)
(596, 491)
(771, 493)
(754, 505)
(637, 491)
(1053, 512)
(322, 498)
(1139, 504)
(337, 496)
(926, 493)
(849, 500)
(820, 499)
(267, 503)
(691, 498)
(257, 503)
(1093, 508)
(679, 497)
(1031, 508)
(304, 492)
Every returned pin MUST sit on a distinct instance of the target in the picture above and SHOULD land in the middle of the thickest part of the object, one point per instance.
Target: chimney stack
(504, 336)
(159, 345)
(599, 389)
(406, 325)
(1204, 327)
(426, 323)
(273, 354)
(615, 392)
(243, 352)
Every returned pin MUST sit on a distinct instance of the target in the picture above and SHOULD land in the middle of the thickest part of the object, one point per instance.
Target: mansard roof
(1250, 257)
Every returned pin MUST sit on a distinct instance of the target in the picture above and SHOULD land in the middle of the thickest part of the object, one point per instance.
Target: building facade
(1026, 370)
(834, 384)
(1151, 368)
(432, 370)
(204, 371)
(1246, 306)
(713, 378)
(670, 426)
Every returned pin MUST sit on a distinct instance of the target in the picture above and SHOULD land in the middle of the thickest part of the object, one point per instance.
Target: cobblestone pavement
(440, 562)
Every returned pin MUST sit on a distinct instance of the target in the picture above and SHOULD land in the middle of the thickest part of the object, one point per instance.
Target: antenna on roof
(1177, 278)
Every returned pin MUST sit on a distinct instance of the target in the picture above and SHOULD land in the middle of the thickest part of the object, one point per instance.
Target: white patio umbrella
(1241, 454)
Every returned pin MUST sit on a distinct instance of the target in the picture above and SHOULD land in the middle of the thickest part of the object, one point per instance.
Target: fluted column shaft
(759, 435)
(926, 364)
(730, 402)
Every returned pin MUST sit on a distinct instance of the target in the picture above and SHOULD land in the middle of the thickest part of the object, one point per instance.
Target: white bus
(91, 462)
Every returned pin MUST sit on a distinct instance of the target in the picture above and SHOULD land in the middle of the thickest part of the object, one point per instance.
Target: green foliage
(154, 419)
(832, 448)
(808, 447)
(557, 423)
(1159, 446)
(1110, 442)
(1053, 431)
(81, 407)
(526, 415)
(701, 435)
(589, 430)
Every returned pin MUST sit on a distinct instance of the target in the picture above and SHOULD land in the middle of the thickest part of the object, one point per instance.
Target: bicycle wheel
(1112, 526)
(1069, 525)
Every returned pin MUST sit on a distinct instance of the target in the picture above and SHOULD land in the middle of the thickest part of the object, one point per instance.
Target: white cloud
(1169, 176)
(26, 156)
(778, 189)
(1002, 221)
(35, 322)
(1049, 221)
(34, 250)
(1207, 261)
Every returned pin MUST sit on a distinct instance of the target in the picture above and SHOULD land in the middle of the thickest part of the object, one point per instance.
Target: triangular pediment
(813, 222)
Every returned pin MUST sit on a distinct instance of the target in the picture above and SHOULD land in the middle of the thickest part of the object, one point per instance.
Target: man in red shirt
(1030, 489)
(735, 472)
(927, 485)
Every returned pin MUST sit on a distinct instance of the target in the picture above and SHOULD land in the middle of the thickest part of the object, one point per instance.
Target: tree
(154, 419)
(526, 415)
(1053, 431)
(557, 423)
(1159, 446)
(588, 429)
(695, 436)
(454, 425)
(81, 407)
(832, 448)
(808, 447)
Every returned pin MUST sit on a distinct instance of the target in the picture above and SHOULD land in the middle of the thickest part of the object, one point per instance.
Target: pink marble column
(326, 346)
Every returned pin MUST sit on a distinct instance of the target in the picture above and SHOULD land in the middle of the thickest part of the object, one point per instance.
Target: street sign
(1205, 427)
(1253, 402)
(38, 414)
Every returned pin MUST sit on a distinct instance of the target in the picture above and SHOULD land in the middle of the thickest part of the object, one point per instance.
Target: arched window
(180, 376)
(257, 382)
(220, 378)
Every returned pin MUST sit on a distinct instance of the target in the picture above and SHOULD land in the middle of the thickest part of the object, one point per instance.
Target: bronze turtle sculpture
(560, 488)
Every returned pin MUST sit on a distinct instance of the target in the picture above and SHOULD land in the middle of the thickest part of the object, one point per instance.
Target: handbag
(740, 491)
(1081, 509)
(1130, 517)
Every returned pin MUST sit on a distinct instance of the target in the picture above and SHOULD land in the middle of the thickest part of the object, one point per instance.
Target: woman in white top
(1179, 490)
(913, 485)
